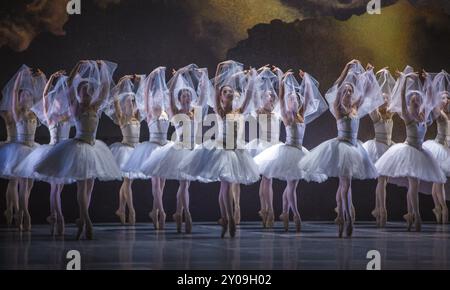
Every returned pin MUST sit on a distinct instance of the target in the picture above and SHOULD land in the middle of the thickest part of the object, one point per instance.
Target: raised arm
(15, 98)
(250, 90)
(345, 71)
(104, 86)
(282, 99)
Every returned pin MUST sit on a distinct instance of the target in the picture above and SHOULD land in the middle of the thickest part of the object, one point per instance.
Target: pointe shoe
(298, 223)
(349, 227)
(80, 226)
(340, 222)
(162, 220)
(232, 228)
(284, 217)
(224, 223)
(383, 218)
(353, 213)
(18, 217)
(60, 226)
(417, 223)
(52, 221)
(188, 222)
(438, 214)
(237, 215)
(376, 214)
(26, 222)
(178, 221)
(336, 210)
(121, 215)
(270, 219)
(89, 231)
(444, 215)
(9, 217)
(132, 218)
(154, 215)
(409, 220)
(263, 214)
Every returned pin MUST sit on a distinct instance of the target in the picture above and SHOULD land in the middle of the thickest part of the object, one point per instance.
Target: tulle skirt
(11, 155)
(72, 160)
(210, 163)
(441, 153)
(375, 149)
(403, 160)
(281, 161)
(141, 153)
(27, 168)
(257, 146)
(165, 161)
(335, 158)
(122, 154)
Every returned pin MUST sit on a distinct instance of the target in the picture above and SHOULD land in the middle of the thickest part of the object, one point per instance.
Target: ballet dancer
(84, 158)
(186, 101)
(221, 159)
(438, 88)
(152, 96)
(124, 112)
(410, 160)
(299, 105)
(52, 111)
(25, 90)
(355, 94)
(382, 123)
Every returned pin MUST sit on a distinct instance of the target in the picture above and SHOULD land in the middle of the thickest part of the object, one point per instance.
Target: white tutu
(375, 149)
(140, 154)
(334, 158)
(27, 168)
(122, 154)
(441, 153)
(165, 161)
(403, 160)
(281, 161)
(257, 146)
(73, 159)
(209, 163)
(11, 155)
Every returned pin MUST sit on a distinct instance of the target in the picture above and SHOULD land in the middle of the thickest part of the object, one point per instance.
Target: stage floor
(316, 247)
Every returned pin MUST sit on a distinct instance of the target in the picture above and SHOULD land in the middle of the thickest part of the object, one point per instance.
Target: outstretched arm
(345, 71)
(15, 98)
(249, 91)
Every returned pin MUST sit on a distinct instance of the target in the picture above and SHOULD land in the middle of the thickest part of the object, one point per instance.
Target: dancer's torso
(26, 129)
(383, 131)
(443, 131)
(415, 134)
(348, 129)
(158, 131)
(269, 127)
(131, 132)
(59, 132)
(86, 124)
(11, 132)
(294, 134)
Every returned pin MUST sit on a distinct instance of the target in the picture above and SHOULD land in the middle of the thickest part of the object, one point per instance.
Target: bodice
(59, 131)
(348, 129)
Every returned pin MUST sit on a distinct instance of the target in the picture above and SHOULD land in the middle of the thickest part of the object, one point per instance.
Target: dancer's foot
(438, 214)
(349, 228)
(154, 215)
(232, 228)
(417, 223)
(80, 224)
(60, 226)
(237, 215)
(18, 217)
(284, 217)
(132, 217)
(444, 215)
(26, 222)
(224, 223)
(89, 230)
(9, 217)
(298, 223)
(270, 219)
(187, 222)
(162, 220)
(409, 220)
(178, 221)
(353, 213)
(340, 222)
(52, 221)
(263, 214)
(121, 215)
(376, 214)
(383, 218)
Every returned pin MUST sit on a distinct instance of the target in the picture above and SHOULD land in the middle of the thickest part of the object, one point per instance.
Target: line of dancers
(262, 98)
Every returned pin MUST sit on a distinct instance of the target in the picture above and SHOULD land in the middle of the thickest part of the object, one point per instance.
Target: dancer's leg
(292, 200)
